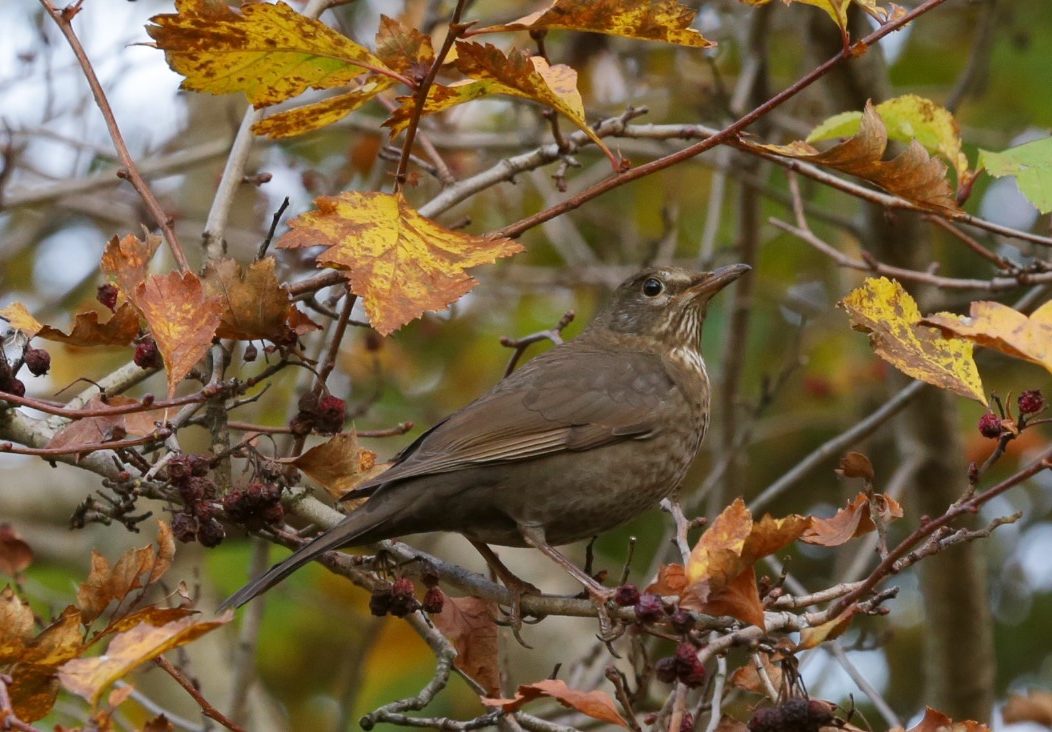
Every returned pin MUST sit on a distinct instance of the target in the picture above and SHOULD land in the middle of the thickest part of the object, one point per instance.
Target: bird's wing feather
(570, 398)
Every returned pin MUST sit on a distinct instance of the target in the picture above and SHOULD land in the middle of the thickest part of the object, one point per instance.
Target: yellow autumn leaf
(914, 174)
(998, 326)
(399, 262)
(649, 20)
(119, 330)
(837, 9)
(268, 51)
(882, 308)
(518, 74)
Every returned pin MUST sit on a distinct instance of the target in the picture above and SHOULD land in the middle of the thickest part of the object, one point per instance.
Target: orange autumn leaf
(266, 50)
(90, 677)
(254, 304)
(468, 623)
(851, 521)
(748, 677)
(338, 463)
(15, 554)
(127, 260)
(403, 48)
(913, 175)
(649, 20)
(595, 704)
(182, 320)
(671, 580)
(120, 329)
(829, 630)
(884, 310)
(936, 721)
(997, 326)
(137, 568)
(399, 262)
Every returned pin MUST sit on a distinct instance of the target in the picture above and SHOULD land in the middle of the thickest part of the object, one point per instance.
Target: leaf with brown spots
(468, 623)
(884, 310)
(852, 520)
(16, 625)
(997, 326)
(314, 116)
(595, 704)
(647, 20)
(913, 175)
(119, 330)
(127, 260)
(90, 677)
(15, 554)
(403, 48)
(182, 320)
(254, 304)
(399, 262)
(338, 464)
(266, 50)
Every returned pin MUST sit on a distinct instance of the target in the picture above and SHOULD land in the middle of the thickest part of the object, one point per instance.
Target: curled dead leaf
(595, 704)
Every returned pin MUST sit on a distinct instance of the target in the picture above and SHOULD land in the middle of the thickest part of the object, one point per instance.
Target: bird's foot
(513, 618)
(610, 627)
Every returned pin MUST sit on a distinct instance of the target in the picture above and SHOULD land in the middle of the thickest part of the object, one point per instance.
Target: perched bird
(579, 440)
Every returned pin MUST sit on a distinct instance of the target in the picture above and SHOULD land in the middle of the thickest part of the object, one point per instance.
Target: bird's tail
(351, 530)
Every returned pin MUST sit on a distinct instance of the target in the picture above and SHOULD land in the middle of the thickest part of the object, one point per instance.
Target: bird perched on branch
(581, 439)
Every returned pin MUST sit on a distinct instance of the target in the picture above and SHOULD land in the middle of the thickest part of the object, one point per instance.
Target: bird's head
(666, 303)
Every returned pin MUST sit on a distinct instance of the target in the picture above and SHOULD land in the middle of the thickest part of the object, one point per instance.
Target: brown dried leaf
(1036, 706)
(182, 320)
(856, 465)
(58, 642)
(819, 634)
(402, 47)
(851, 521)
(15, 553)
(650, 20)
(738, 597)
(90, 677)
(671, 580)
(936, 721)
(997, 326)
(137, 568)
(468, 623)
(748, 678)
(254, 304)
(338, 464)
(159, 723)
(150, 614)
(398, 261)
(16, 625)
(882, 308)
(33, 690)
(127, 260)
(119, 330)
(595, 704)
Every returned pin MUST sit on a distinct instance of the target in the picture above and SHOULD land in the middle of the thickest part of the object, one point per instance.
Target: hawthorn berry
(210, 533)
(184, 527)
(649, 608)
(689, 669)
(331, 413)
(1029, 401)
(434, 600)
(380, 601)
(665, 669)
(990, 425)
(403, 597)
(37, 360)
(250, 352)
(107, 295)
(146, 354)
(626, 595)
(687, 725)
(681, 621)
(16, 387)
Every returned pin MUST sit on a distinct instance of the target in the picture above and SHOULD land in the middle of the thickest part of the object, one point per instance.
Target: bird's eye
(652, 287)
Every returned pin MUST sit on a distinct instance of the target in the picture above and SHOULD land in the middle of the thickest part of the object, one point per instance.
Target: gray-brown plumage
(579, 440)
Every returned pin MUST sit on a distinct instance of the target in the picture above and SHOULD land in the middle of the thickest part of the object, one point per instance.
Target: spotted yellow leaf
(399, 262)
(882, 308)
(998, 326)
(837, 9)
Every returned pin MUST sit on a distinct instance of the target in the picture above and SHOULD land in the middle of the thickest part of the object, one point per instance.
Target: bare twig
(206, 706)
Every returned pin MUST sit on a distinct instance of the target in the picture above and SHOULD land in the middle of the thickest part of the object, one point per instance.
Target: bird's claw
(610, 628)
(513, 618)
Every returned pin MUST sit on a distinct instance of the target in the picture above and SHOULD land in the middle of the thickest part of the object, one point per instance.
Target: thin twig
(206, 707)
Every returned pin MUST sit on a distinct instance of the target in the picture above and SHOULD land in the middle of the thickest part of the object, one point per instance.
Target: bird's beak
(709, 283)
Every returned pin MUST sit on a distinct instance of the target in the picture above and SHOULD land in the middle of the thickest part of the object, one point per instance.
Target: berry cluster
(651, 609)
(792, 715)
(189, 475)
(682, 666)
(322, 414)
(399, 598)
(255, 505)
(992, 426)
(37, 361)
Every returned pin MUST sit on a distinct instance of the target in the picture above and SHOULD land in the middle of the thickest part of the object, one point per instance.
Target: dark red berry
(434, 600)
(380, 601)
(990, 425)
(250, 352)
(767, 719)
(331, 414)
(37, 360)
(107, 295)
(15, 386)
(665, 669)
(210, 533)
(178, 468)
(184, 527)
(819, 713)
(199, 465)
(1029, 401)
(234, 505)
(626, 595)
(687, 725)
(795, 714)
(273, 514)
(146, 355)
(681, 621)
(649, 609)
(403, 586)
(403, 597)
(301, 424)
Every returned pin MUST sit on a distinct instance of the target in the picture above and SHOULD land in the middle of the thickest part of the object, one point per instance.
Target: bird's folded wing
(567, 399)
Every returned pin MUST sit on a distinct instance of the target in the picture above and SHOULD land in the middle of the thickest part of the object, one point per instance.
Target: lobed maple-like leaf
(135, 569)
(127, 260)
(182, 320)
(266, 50)
(649, 20)
(913, 175)
(403, 48)
(399, 262)
(254, 303)
(851, 521)
(90, 677)
(595, 704)
(468, 623)
(120, 329)
(882, 308)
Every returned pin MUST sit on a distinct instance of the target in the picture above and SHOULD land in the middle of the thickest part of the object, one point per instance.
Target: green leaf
(1031, 164)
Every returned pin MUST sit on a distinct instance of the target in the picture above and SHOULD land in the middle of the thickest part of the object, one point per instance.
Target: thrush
(581, 439)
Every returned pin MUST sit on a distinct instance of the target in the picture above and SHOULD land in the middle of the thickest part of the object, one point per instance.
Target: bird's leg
(516, 586)
(534, 536)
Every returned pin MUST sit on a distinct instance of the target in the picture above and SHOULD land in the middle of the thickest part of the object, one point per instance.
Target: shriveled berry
(795, 714)
(331, 414)
(178, 468)
(146, 354)
(687, 725)
(1029, 401)
(819, 713)
(184, 527)
(301, 424)
(234, 505)
(251, 352)
(199, 466)
(15, 386)
(681, 621)
(434, 600)
(380, 601)
(107, 295)
(665, 669)
(38, 361)
(403, 586)
(626, 595)
(689, 669)
(767, 719)
(273, 514)
(649, 609)
(990, 425)
(210, 533)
